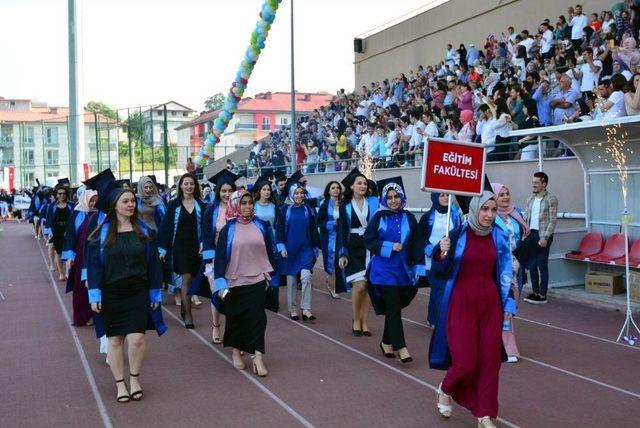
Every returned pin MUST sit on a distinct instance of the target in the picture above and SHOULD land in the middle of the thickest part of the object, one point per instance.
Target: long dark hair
(257, 190)
(328, 187)
(196, 188)
(219, 188)
(348, 192)
(112, 219)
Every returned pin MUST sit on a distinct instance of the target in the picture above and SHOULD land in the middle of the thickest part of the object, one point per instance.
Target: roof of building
(52, 114)
(270, 102)
(183, 107)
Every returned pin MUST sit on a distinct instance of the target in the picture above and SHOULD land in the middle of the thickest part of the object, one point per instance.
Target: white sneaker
(512, 359)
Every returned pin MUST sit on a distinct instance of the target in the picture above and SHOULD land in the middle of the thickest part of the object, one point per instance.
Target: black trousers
(393, 332)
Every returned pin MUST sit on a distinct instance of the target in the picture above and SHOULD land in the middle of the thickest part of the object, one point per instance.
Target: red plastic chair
(613, 249)
(634, 255)
(590, 245)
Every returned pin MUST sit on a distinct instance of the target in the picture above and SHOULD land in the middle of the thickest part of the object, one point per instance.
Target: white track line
(106, 421)
(375, 360)
(541, 363)
(567, 330)
(249, 377)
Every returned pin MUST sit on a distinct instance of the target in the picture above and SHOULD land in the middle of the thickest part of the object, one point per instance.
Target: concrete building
(34, 141)
(422, 39)
(255, 118)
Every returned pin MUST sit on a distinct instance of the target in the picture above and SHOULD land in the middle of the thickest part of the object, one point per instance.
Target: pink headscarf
(466, 116)
(83, 200)
(510, 210)
(233, 208)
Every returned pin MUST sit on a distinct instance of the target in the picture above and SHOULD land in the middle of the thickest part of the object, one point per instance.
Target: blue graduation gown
(297, 233)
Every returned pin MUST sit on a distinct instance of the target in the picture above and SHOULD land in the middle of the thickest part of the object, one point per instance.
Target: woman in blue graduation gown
(215, 218)
(74, 254)
(125, 285)
(298, 242)
(475, 260)
(389, 236)
(180, 240)
(328, 216)
(244, 266)
(432, 227)
(356, 211)
(56, 225)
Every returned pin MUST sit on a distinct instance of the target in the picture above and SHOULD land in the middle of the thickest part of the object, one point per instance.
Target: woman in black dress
(180, 238)
(125, 284)
(57, 225)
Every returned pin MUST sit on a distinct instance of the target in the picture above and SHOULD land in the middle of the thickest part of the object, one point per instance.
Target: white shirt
(438, 231)
(431, 130)
(547, 38)
(618, 109)
(530, 152)
(606, 26)
(416, 136)
(535, 214)
(488, 134)
(527, 43)
(589, 78)
(577, 25)
(575, 83)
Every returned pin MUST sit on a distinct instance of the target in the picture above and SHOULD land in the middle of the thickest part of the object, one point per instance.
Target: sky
(141, 52)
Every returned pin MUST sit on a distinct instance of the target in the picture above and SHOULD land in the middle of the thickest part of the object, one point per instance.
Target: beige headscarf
(83, 200)
(152, 200)
(474, 210)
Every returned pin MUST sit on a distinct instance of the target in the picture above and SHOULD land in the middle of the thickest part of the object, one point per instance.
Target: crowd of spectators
(578, 68)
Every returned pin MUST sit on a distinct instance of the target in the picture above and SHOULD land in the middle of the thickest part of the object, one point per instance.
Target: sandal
(445, 410)
(136, 395)
(307, 315)
(123, 398)
(215, 338)
(486, 422)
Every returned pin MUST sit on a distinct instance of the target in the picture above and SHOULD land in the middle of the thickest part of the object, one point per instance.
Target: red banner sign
(453, 167)
(85, 170)
(12, 178)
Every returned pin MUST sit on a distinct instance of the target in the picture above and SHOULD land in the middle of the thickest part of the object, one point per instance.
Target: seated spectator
(528, 145)
(632, 97)
(628, 53)
(613, 106)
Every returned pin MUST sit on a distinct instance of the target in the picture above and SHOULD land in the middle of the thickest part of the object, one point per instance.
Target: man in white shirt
(546, 42)
(450, 56)
(527, 42)
(613, 106)
(577, 24)
(589, 73)
(366, 140)
(486, 129)
(415, 142)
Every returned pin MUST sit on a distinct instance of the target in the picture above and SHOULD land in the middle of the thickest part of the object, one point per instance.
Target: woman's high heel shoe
(404, 355)
(124, 398)
(238, 363)
(445, 410)
(486, 422)
(386, 352)
(136, 395)
(258, 367)
(215, 338)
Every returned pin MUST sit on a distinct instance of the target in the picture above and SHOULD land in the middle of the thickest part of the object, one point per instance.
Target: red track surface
(571, 375)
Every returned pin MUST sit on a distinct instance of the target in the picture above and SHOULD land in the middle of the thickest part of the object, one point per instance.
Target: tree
(214, 102)
(100, 107)
(134, 126)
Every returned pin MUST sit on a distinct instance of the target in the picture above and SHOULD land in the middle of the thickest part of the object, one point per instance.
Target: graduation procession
(380, 302)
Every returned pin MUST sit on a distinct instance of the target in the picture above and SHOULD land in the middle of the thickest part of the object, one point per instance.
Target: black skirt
(357, 258)
(246, 320)
(186, 246)
(125, 308)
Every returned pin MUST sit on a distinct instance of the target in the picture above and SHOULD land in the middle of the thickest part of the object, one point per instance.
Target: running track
(571, 375)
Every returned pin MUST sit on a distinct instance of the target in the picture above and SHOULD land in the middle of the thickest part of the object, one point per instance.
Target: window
(52, 157)
(284, 120)
(28, 157)
(52, 136)
(6, 135)
(159, 113)
(185, 114)
(29, 135)
(266, 123)
(28, 178)
(53, 174)
(173, 113)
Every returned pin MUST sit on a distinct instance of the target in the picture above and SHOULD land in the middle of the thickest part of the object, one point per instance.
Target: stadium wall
(423, 38)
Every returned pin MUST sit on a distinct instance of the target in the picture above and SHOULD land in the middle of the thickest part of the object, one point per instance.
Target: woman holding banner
(476, 261)
(433, 226)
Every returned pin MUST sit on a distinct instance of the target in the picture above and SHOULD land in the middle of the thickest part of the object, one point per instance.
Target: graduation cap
(108, 195)
(63, 182)
(380, 184)
(351, 177)
(100, 180)
(224, 176)
(464, 201)
(124, 182)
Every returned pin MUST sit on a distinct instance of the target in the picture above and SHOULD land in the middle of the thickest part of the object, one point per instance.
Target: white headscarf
(83, 199)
